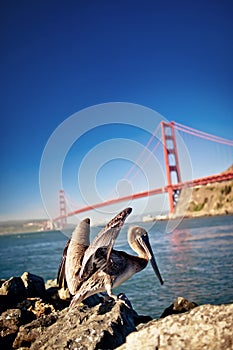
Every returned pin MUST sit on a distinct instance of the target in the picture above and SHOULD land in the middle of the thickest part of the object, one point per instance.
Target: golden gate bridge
(174, 183)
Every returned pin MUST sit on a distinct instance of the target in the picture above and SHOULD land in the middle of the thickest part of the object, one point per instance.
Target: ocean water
(195, 261)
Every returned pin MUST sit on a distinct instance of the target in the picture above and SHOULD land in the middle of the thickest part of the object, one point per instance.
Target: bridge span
(173, 174)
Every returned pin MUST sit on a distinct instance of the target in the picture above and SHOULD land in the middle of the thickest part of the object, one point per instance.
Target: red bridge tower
(171, 163)
(62, 206)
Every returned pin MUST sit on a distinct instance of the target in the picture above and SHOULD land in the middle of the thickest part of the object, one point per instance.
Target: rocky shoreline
(35, 315)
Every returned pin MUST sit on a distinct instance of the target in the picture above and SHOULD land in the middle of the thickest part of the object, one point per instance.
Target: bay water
(195, 261)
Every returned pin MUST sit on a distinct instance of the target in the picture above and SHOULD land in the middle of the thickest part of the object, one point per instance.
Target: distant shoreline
(153, 219)
(188, 216)
(26, 232)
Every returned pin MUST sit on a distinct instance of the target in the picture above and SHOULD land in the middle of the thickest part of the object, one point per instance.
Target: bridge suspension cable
(128, 175)
(147, 159)
(172, 187)
(143, 152)
(202, 134)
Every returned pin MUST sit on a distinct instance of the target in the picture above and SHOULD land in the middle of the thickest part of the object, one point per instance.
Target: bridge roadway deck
(191, 183)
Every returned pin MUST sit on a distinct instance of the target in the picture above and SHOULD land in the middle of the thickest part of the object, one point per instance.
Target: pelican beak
(146, 245)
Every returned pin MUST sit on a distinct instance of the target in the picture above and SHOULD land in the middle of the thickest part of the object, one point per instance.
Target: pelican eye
(144, 235)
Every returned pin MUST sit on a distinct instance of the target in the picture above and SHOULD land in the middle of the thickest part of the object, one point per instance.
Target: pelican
(77, 250)
(72, 257)
(104, 268)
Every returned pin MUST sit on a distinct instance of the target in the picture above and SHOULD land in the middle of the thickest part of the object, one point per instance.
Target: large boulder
(205, 327)
(13, 290)
(34, 284)
(179, 306)
(104, 326)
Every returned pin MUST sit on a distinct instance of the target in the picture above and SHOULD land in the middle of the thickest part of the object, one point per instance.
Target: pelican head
(139, 242)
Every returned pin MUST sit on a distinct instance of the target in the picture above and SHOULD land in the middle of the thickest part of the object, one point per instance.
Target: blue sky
(58, 57)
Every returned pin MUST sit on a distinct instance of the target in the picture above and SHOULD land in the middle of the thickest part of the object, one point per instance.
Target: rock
(51, 283)
(61, 298)
(205, 327)
(52, 297)
(4, 303)
(55, 292)
(14, 290)
(34, 284)
(179, 306)
(93, 300)
(104, 326)
(2, 280)
(36, 306)
(30, 332)
(10, 322)
(64, 294)
(41, 308)
(140, 319)
(36, 323)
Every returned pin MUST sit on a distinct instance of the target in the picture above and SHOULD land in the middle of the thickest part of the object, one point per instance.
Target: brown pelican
(72, 257)
(104, 268)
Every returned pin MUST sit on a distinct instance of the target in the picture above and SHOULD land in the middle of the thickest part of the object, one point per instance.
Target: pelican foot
(120, 298)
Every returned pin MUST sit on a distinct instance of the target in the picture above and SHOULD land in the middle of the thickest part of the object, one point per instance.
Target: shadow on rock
(104, 326)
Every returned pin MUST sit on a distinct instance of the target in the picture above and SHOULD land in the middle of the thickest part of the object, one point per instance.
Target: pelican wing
(104, 276)
(61, 275)
(105, 238)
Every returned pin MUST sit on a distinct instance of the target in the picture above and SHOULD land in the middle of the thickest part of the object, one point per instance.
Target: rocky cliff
(35, 316)
(212, 199)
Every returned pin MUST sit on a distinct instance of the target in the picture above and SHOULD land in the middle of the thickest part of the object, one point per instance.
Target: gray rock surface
(104, 326)
(10, 321)
(28, 333)
(205, 327)
(46, 323)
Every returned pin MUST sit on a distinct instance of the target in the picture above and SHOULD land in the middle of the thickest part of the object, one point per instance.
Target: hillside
(211, 199)
(16, 226)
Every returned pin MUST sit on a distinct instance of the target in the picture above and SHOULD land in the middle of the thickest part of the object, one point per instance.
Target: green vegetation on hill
(211, 199)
